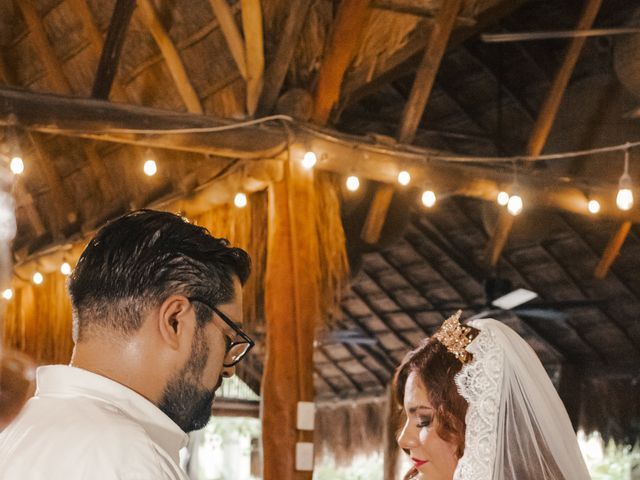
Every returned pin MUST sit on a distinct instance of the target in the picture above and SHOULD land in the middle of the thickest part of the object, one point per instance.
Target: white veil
(516, 426)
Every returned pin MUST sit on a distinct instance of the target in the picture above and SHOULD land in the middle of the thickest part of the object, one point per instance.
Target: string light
(515, 205)
(428, 198)
(7, 294)
(16, 165)
(240, 200)
(309, 160)
(503, 198)
(65, 269)
(150, 167)
(593, 206)
(38, 278)
(624, 199)
(353, 183)
(404, 178)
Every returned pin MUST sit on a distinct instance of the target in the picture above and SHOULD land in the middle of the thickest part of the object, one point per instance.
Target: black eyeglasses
(236, 349)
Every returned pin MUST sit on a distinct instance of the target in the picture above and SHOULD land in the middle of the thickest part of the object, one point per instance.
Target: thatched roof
(485, 101)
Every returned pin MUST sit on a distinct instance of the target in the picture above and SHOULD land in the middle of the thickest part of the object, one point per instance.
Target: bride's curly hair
(437, 369)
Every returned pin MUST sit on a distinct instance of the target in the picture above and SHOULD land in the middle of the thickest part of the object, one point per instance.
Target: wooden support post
(231, 34)
(277, 70)
(171, 56)
(544, 122)
(291, 314)
(252, 27)
(414, 109)
(345, 37)
(612, 250)
(108, 65)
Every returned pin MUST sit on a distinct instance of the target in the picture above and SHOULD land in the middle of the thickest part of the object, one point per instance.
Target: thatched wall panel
(25, 62)
(43, 7)
(81, 71)
(185, 19)
(229, 102)
(153, 87)
(101, 11)
(138, 48)
(64, 30)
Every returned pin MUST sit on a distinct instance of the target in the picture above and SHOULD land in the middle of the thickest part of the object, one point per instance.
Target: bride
(480, 406)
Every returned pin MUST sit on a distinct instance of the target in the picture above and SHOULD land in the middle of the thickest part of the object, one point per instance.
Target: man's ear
(175, 316)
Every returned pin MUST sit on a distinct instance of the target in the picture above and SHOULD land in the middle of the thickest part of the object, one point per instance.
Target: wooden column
(612, 250)
(291, 314)
(252, 27)
(414, 109)
(544, 122)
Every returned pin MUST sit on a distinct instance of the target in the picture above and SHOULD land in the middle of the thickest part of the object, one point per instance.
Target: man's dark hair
(138, 260)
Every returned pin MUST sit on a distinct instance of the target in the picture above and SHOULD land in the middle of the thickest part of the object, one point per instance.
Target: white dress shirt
(80, 425)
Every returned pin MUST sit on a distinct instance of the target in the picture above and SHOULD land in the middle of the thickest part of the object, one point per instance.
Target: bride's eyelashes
(424, 422)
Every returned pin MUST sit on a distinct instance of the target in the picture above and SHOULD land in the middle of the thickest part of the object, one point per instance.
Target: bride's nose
(407, 438)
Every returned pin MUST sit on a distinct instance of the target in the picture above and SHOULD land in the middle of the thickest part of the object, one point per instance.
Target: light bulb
(7, 294)
(240, 200)
(16, 165)
(38, 278)
(150, 168)
(309, 161)
(404, 178)
(428, 198)
(353, 183)
(65, 269)
(503, 198)
(624, 200)
(594, 206)
(515, 205)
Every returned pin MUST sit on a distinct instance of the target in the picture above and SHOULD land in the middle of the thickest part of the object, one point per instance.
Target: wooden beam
(231, 33)
(414, 109)
(612, 251)
(42, 46)
(546, 118)
(345, 37)
(277, 70)
(426, 75)
(171, 56)
(108, 65)
(252, 27)
(92, 119)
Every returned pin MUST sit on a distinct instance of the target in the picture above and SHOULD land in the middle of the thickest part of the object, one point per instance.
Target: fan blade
(541, 313)
(531, 36)
(514, 299)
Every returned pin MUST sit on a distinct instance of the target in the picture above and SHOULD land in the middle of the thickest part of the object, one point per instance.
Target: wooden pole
(611, 252)
(414, 109)
(231, 33)
(544, 122)
(108, 66)
(291, 314)
(252, 27)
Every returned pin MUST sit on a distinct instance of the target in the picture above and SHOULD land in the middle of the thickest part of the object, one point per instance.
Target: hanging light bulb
(38, 278)
(593, 206)
(7, 294)
(515, 205)
(428, 198)
(353, 183)
(624, 199)
(309, 160)
(16, 165)
(404, 178)
(65, 269)
(150, 167)
(240, 200)
(503, 198)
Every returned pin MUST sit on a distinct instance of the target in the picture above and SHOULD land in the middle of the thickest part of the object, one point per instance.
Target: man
(155, 305)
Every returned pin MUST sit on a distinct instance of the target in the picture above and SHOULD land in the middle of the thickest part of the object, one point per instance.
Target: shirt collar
(56, 380)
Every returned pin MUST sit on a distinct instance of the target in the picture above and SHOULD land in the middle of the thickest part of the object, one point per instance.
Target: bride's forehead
(415, 392)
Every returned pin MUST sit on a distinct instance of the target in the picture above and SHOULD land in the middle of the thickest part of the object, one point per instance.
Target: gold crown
(455, 337)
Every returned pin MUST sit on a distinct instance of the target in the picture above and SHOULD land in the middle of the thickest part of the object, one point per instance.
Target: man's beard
(184, 400)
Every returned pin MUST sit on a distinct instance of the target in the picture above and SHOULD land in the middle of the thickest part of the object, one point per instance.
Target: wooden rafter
(252, 27)
(348, 26)
(110, 56)
(171, 56)
(544, 122)
(65, 210)
(277, 70)
(414, 109)
(612, 251)
(231, 33)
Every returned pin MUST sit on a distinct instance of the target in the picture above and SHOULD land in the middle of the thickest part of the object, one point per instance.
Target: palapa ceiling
(485, 101)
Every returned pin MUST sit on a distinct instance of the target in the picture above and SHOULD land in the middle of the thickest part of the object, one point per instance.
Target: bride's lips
(418, 463)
